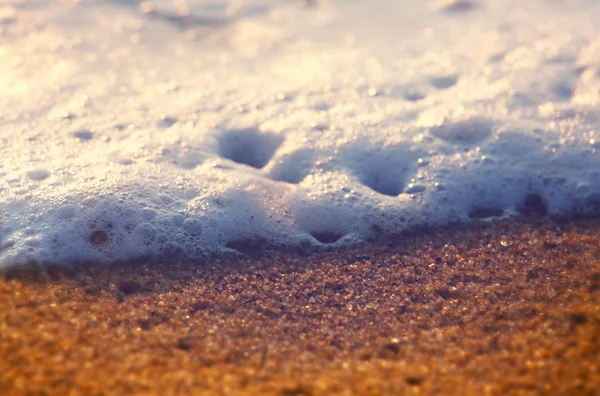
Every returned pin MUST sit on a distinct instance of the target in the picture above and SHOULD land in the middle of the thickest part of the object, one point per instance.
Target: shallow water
(172, 128)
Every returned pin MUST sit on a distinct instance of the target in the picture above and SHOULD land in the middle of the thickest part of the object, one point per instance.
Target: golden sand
(512, 308)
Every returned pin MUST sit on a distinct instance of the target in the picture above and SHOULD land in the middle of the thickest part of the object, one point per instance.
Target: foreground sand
(513, 308)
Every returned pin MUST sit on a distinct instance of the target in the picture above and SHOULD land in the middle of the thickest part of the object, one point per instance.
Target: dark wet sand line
(508, 309)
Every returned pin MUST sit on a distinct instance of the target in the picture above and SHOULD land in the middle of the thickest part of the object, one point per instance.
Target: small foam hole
(326, 237)
(385, 181)
(249, 146)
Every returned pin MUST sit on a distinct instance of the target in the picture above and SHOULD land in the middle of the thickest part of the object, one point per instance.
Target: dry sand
(512, 308)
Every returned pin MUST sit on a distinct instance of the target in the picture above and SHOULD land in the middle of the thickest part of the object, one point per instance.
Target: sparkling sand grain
(512, 308)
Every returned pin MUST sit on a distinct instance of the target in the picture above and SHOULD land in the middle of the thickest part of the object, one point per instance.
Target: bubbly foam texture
(134, 129)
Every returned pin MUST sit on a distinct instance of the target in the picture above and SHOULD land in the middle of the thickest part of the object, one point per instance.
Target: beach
(505, 308)
(268, 197)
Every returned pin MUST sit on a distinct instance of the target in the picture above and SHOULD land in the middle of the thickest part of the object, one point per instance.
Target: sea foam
(177, 130)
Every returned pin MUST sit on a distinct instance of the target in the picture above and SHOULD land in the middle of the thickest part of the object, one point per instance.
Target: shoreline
(511, 307)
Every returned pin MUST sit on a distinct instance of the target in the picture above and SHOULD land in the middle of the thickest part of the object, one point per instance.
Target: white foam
(144, 129)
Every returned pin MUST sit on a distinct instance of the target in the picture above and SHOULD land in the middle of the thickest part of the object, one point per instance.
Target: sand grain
(508, 309)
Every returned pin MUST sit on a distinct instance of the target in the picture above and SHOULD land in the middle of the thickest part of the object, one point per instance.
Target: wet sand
(512, 308)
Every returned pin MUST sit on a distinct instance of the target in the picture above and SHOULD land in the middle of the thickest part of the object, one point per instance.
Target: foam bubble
(193, 226)
(319, 126)
(65, 211)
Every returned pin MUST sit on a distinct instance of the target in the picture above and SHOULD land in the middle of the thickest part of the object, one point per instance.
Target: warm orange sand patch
(513, 308)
